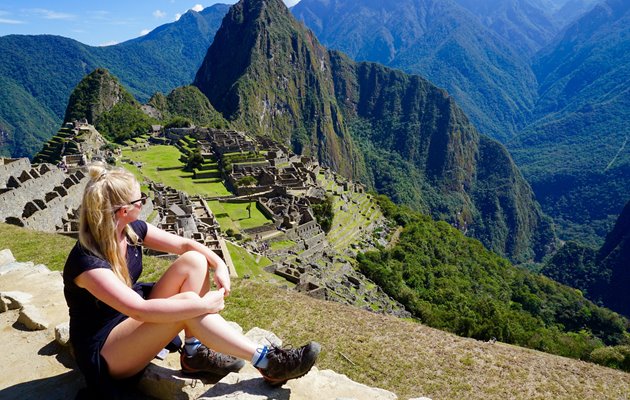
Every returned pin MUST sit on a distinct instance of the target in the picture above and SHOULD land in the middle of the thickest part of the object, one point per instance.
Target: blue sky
(96, 23)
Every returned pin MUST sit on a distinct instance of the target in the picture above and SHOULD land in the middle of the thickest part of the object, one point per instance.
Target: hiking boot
(285, 364)
(209, 361)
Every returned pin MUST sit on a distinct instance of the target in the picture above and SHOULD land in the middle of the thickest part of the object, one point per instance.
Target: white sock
(190, 346)
(259, 359)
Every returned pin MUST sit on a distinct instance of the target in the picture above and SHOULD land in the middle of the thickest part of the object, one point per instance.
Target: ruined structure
(38, 197)
(189, 217)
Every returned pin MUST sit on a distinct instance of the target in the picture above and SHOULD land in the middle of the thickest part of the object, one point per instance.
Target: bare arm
(103, 284)
(161, 240)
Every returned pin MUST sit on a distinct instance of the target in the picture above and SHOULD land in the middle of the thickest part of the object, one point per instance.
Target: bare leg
(132, 344)
(189, 273)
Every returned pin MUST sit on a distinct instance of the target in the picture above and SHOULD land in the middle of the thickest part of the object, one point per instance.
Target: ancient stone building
(38, 197)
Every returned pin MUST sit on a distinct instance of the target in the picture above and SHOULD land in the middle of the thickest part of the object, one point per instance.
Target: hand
(215, 300)
(222, 278)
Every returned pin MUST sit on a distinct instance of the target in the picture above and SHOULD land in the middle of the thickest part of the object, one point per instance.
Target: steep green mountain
(439, 40)
(187, 102)
(577, 155)
(39, 72)
(270, 76)
(453, 283)
(97, 94)
(400, 134)
(604, 274)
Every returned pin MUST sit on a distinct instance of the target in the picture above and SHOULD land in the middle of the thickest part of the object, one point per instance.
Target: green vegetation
(123, 122)
(161, 164)
(575, 265)
(324, 213)
(236, 215)
(282, 244)
(185, 106)
(248, 264)
(603, 274)
(452, 282)
(178, 122)
(49, 249)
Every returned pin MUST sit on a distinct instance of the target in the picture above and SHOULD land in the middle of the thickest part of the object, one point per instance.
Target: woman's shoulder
(140, 227)
(80, 260)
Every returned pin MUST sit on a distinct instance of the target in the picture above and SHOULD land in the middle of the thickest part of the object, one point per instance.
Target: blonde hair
(106, 192)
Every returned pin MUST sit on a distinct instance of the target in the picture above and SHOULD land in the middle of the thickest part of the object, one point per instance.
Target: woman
(116, 328)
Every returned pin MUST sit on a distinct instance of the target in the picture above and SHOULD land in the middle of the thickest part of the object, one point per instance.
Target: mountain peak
(268, 74)
(96, 94)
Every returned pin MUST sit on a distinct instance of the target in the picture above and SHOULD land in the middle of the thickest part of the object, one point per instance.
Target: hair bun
(97, 170)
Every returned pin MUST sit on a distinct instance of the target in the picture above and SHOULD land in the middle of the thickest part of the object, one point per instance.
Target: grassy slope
(168, 157)
(405, 357)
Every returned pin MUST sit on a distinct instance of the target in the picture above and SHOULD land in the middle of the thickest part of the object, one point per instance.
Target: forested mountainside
(38, 73)
(268, 75)
(603, 275)
(439, 40)
(576, 155)
(529, 25)
(572, 115)
(451, 282)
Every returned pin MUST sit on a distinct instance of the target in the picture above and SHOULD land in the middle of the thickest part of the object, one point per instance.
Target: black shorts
(93, 365)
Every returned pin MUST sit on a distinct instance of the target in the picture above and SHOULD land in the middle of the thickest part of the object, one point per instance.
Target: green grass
(45, 248)
(350, 225)
(282, 244)
(235, 215)
(247, 263)
(162, 156)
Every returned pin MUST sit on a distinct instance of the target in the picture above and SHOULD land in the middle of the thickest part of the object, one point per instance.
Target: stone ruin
(332, 277)
(285, 187)
(189, 217)
(38, 197)
(294, 216)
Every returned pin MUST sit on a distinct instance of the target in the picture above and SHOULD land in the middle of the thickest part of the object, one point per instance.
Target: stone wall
(38, 197)
(12, 166)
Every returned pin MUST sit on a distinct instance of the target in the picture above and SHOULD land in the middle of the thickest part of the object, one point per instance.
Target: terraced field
(356, 215)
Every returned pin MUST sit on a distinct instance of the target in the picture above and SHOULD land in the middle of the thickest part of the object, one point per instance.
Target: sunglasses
(142, 199)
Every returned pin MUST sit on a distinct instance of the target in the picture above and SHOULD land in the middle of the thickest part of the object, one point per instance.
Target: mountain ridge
(48, 67)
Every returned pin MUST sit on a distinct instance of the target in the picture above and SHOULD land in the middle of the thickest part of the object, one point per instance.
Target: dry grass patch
(413, 360)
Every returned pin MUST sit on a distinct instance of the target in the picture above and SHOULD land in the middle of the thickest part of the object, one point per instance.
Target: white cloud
(49, 14)
(144, 32)
(291, 3)
(197, 7)
(159, 14)
(10, 21)
(110, 43)
(177, 16)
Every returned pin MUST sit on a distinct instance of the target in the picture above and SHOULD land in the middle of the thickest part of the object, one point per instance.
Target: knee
(189, 295)
(195, 260)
